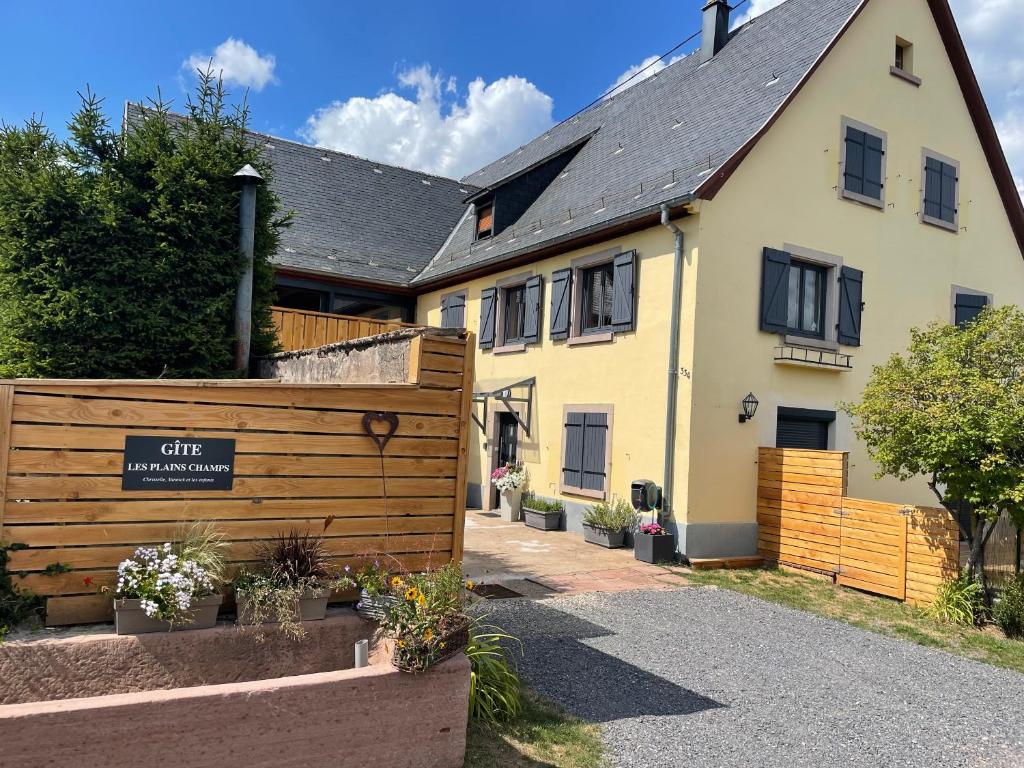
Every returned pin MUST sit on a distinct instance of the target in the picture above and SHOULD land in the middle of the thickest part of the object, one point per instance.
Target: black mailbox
(645, 495)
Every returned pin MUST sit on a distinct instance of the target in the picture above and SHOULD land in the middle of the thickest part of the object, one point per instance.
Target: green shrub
(1009, 611)
(959, 601)
(16, 606)
(119, 250)
(541, 505)
(611, 515)
(494, 686)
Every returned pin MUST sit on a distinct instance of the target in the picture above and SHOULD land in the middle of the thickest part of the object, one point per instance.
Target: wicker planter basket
(374, 607)
(415, 656)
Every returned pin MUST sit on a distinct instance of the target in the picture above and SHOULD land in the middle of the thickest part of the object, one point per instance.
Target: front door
(507, 439)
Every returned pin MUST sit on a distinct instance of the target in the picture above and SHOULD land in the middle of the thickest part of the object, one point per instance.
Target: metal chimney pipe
(249, 178)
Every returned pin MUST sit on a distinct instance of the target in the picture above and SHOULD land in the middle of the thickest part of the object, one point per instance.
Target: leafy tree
(119, 248)
(952, 410)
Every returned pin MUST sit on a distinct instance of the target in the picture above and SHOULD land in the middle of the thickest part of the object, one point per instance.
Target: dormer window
(484, 220)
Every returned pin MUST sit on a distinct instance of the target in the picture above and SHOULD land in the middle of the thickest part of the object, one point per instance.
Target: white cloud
(993, 31)
(425, 133)
(649, 67)
(755, 8)
(238, 63)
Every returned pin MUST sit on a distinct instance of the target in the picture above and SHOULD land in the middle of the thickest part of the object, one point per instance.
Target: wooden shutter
(457, 310)
(595, 445)
(561, 296)
(572, 457)
(775, 291)
(940, 182)
(948, 200)
(624, 292)
(873, 153)
(967, 307)
(488, 305)
(851, 293)
(531, 317)
(445, 312)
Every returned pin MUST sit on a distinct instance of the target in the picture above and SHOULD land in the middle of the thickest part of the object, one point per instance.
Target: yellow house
(768, 216)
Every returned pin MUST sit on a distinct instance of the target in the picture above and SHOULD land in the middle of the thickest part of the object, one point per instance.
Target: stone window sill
(906, 76)
(509, 349)
(590, 338)
(940, 223)
(804, 341)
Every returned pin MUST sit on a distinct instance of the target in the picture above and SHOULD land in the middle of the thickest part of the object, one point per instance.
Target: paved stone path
(702, 677)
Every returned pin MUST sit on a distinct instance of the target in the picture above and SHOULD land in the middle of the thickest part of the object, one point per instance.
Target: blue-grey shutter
(488, 302)
(851, 297)
(624, 292)
(531, 316)
(873, 152)
(948, 202)
(445, 312)
(457, 311)
(853, 168)
(595, 445)
(561, 295)
(939, 190)
(572, 458)
(775, 291)
(967, 307)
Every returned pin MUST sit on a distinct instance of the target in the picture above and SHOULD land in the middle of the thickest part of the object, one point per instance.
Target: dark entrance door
(507, 439)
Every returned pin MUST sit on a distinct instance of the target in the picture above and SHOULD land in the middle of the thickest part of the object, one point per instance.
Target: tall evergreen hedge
(119, 246)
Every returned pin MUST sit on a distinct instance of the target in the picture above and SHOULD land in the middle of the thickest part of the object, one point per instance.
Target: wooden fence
(805, 519)
(301, 455)
(303, 329)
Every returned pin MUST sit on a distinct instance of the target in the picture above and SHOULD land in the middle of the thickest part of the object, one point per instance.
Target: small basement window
(803, 428)
(484, 220)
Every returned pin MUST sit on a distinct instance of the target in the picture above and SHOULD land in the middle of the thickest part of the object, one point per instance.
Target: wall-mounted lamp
(749, 408)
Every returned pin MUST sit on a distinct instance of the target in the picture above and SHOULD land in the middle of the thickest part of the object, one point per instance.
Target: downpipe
(673, 366)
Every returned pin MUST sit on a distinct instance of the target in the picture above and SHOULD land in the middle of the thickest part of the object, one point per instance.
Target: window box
(813, 358)
(541, 520)
(604, 537)
(130, 619)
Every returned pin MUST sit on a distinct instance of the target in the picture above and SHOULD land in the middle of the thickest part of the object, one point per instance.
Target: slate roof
(358, 218)
(354, 217)
(656, 141)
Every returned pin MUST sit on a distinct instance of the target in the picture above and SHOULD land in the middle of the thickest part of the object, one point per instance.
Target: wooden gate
(873, 547)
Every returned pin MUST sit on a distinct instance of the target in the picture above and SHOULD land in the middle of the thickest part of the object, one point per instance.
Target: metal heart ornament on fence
(380, 426)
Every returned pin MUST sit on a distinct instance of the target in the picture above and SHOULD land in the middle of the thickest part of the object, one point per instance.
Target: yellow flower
(469, 584)
(442, 646)
(422, 600)
(395, 581)
(428, 634)
(401, 643)
(410, 593)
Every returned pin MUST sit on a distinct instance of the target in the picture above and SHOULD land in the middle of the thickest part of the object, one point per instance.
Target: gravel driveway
(707, 677)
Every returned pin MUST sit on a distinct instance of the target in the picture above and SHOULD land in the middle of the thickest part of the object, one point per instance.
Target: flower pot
(311, 606)
(654, 548)
(130, 619)
(604, 537)
(545, 521)
(374, 607)
(511, 502)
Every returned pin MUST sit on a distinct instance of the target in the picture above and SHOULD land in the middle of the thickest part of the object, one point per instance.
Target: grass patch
(878, 614)
(543, 736)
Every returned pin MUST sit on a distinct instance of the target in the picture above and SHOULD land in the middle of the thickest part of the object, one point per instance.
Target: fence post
(6, 412)
(459, 521)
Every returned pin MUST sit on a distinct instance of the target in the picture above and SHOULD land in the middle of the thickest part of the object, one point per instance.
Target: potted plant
(427, 622)
(653, 544)
(294, 585)
(509, 480)
(606, 523)
(541, 514)
(159, 590)
(375, 597)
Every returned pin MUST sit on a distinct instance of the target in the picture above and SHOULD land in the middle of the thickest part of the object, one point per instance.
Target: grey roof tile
(658, 140)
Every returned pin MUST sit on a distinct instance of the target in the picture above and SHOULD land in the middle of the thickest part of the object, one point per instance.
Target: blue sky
(441, 86)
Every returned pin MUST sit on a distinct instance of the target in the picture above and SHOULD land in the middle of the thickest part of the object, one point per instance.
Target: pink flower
(653, 529)
(499, 473)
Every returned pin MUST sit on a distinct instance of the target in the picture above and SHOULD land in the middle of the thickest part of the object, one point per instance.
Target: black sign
(182, 464)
